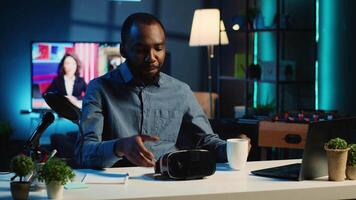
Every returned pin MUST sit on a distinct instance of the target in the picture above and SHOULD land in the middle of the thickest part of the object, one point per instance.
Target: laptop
(314, 162)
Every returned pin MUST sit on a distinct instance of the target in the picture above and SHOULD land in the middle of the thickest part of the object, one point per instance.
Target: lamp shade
(223, 35)
(205, 27)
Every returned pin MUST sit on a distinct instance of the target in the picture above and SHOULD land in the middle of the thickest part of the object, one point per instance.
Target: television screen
(96, 58)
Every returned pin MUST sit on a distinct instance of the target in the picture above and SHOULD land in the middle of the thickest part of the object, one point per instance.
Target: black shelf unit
(281, 86)
(276, 30)
(265, 81)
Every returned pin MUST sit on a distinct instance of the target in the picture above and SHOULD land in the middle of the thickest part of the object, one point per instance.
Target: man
(135, 112)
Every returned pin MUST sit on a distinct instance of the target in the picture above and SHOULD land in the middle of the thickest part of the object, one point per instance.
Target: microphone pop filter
(62, 106)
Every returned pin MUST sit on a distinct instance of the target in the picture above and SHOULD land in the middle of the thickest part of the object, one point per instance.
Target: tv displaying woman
(68, 82)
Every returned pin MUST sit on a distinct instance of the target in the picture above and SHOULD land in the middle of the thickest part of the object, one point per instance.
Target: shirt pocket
(167, 124)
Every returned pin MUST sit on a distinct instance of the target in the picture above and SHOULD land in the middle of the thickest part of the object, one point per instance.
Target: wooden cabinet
(282, 135)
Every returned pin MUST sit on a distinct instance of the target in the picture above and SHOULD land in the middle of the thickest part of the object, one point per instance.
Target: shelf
(296, 82)
(264, 81)
(277, 44)
(311, 30)
(245, 80)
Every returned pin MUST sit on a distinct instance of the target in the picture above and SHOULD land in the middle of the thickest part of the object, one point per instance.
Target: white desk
(224, 184)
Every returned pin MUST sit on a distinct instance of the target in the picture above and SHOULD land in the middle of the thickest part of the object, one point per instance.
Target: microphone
(33, 141)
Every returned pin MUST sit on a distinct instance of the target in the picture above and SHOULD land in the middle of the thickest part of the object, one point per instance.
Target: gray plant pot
(20, 190)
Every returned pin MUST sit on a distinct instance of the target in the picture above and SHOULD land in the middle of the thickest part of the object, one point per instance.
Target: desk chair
(204, 101)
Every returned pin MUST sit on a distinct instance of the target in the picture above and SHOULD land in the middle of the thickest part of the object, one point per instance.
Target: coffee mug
(237, 152)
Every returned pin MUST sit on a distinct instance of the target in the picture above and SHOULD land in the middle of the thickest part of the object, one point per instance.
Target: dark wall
(336, 56)
(23, 21)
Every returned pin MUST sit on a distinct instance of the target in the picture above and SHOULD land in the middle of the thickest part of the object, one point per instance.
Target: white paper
(103, 177)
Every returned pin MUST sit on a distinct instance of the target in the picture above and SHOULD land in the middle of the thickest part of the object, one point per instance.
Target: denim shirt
(116, 106)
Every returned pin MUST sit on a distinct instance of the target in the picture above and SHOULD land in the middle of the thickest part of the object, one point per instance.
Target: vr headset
(186, 164)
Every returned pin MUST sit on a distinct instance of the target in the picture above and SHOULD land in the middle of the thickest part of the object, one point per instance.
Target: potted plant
(22, 166)
(336, 150)
(55, 173)
(351, 163)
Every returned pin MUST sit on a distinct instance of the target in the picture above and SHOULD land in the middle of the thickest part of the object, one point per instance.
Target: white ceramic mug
(237, 152)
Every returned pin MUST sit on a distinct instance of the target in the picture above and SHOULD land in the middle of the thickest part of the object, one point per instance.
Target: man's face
(145, 51)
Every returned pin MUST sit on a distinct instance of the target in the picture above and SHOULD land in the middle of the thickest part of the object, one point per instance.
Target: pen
(52, 154)
(29, 179)
(46, 157)
(13, 178)
(85, 175)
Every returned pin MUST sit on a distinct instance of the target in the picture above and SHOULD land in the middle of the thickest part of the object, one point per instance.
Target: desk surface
(224, 184)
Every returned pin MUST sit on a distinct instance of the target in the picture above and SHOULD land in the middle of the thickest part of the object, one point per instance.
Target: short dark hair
(138, 18)
(61, 71)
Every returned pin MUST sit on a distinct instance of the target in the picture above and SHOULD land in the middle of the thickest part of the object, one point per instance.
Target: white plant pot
(54, 190)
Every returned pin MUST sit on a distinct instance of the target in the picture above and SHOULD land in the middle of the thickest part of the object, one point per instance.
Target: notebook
(314, 162)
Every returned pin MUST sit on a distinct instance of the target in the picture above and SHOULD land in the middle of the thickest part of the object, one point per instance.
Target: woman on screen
(68, 82)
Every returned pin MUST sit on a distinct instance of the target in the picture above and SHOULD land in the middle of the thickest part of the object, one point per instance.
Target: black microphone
(33, 141)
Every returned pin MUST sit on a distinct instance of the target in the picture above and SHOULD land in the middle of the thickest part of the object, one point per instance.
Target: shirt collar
(128, 77)
(125, 72)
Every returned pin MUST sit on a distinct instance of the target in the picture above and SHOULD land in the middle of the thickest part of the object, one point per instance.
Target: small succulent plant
(351, 158)
(337, 143)
(21, 165)
(56, 170)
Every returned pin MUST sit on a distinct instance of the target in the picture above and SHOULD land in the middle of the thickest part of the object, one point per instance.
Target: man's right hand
(135, 151)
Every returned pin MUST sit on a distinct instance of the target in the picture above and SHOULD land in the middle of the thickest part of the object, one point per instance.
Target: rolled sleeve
(100, 154)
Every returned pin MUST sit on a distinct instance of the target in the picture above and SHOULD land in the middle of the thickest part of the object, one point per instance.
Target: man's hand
(135, 151)
(243, 136)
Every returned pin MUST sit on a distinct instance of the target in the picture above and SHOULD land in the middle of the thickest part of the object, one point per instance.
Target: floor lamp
(207, 30)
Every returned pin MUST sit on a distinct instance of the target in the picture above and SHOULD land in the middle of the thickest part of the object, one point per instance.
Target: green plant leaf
(351, 158)
(337, 143)
(21, 165)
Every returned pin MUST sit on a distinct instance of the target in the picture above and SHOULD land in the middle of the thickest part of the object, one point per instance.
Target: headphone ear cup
(158, 166)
